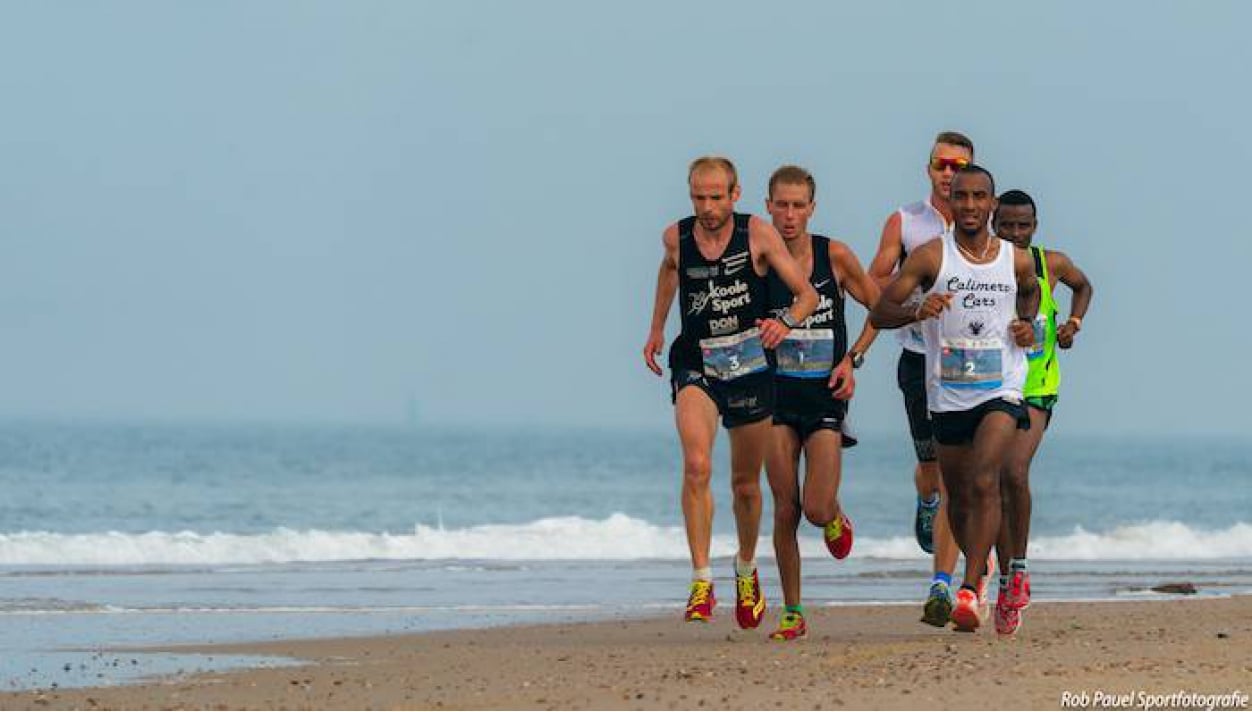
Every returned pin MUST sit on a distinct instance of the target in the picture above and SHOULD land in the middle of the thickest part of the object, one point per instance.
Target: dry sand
(859, 657)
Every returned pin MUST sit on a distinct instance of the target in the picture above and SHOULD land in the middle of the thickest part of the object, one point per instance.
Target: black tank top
(829, 312)
(717, 297)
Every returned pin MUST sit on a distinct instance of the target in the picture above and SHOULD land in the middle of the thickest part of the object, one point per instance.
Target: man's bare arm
(769, 245)
(890, 246)
(1068, 274)
(666, 288)
(919, 270)
(859, 284)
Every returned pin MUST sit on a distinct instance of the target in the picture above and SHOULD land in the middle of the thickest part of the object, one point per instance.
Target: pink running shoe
(1018, 596)
(1008, 619)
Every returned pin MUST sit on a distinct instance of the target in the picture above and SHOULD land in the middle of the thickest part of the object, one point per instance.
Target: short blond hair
(705, 162)
(793, 175)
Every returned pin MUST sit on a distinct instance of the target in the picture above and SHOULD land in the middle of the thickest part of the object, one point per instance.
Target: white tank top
(920, 223)
(971, 357)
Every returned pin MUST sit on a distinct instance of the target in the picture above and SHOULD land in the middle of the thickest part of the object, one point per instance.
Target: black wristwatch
(857, 357)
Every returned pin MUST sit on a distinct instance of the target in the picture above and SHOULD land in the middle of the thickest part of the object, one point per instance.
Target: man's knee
(1016, 476)
(746, 487)
(786, 514)
(697, 469)
(819, 515)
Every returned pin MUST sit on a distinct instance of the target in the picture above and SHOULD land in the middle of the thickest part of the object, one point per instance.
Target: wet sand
(859, 657)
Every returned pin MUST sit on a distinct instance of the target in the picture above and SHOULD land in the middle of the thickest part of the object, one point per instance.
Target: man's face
(712, 198)
(944, 161)
(972, 201)
(1016, 223)
(790, 207)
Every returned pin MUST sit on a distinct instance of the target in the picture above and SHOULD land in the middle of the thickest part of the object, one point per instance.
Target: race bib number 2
(729, 357)
(974, 364)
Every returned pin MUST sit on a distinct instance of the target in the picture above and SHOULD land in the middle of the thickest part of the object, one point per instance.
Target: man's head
(951, 151)
(1016, 218)
(972, 200)
(714, 185)
(791, 201)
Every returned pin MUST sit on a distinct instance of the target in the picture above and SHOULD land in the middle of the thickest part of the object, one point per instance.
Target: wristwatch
(857, 357)
(787, 321)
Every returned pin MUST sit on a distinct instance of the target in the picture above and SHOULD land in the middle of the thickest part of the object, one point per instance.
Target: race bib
(729, 357)
(807, 353)
(1040, 326)
(971, 363)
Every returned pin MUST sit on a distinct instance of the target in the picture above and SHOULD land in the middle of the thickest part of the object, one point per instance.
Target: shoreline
(863, 656)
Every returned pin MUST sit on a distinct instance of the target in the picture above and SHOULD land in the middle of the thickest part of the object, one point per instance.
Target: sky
(380, 212)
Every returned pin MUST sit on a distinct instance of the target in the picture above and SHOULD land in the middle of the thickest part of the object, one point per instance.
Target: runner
(1016, 220)
(973, 287)
(717, 260)
(907, 229)
(813, 383)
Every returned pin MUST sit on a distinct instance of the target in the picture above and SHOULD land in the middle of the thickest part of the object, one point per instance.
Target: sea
(116, 540)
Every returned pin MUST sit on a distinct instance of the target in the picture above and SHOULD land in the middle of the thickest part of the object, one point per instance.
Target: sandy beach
(856, 656)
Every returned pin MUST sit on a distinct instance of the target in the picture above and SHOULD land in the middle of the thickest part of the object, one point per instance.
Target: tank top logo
(979, 294)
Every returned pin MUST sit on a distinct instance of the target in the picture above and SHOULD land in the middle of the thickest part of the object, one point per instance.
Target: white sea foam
(618, 537)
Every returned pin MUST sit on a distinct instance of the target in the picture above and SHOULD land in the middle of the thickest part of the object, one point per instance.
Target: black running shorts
(911, 377)
(958, 427)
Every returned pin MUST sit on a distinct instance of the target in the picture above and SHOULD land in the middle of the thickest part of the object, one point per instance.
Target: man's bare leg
(696, 417)
(782, 466)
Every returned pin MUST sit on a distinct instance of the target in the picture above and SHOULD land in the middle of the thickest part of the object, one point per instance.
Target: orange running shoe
(838, 536)
(791, 627)
(701, 602)
(965, 615)
(750, 607)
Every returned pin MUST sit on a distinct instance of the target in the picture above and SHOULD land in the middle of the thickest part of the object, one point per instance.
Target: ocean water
(116, 538)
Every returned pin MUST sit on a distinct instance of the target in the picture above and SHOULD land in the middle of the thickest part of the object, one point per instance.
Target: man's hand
(1023, 333)
(1065, 334)
(652, 349)
(933, 305)
(773, 332)
(842, 383)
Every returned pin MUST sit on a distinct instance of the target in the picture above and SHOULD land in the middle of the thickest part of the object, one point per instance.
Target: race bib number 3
(971, 364)
(729, 357)
(807, 353)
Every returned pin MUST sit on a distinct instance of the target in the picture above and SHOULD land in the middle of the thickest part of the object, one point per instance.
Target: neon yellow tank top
(1044, 375)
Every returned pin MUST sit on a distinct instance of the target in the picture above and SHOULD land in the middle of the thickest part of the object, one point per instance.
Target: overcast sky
(311, 211)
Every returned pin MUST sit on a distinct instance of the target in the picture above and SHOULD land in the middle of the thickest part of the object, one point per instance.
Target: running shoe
(924, 525)
(701, 603)
(838, 536)
(984, 583)
(1018, 596)
(750, 606)
(965, 615)
(791, 627)
(938, 607)
(1008, 619)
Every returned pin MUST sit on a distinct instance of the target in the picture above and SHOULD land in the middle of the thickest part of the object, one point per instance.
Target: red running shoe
(838, 536)
(701, 602)
(791, 627)
(1018, 596)
(965, 615)
(750, 607)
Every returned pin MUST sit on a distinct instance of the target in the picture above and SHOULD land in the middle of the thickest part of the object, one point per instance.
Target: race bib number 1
(807, 353)
(970, 363)
(729, 357)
